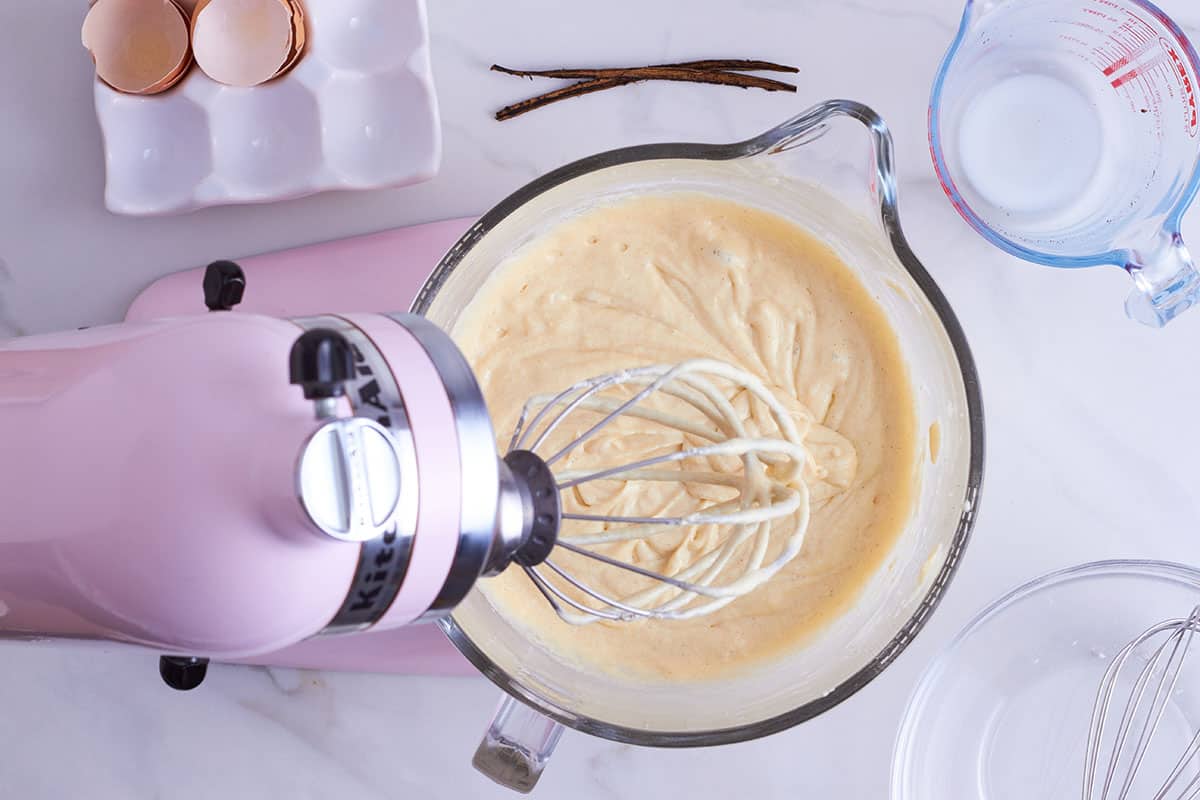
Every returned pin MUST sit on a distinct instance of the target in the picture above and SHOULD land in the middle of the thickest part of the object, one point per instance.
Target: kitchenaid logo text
(375, 574)
(1180, 68)
(381, 562)
(367, 390)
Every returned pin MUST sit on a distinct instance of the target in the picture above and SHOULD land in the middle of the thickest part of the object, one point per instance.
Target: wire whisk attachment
(698, 471)
(1134, 695)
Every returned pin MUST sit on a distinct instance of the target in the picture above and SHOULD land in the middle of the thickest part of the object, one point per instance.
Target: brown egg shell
(168, 80)
(299, 37)
(297, 31)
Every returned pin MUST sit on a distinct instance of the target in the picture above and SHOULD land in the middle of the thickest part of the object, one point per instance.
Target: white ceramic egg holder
(358, 112)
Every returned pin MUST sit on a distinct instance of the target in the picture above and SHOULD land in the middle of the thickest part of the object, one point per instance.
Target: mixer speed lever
(321, 362)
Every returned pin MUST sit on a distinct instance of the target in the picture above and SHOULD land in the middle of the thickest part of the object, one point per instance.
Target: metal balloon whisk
(1125, 726)
(732, 451)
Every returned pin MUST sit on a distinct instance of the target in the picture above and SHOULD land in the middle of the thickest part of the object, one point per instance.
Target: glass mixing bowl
(1004, 711)
(829, 170)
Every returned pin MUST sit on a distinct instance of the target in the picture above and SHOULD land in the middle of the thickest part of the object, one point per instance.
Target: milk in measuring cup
(1030, 143)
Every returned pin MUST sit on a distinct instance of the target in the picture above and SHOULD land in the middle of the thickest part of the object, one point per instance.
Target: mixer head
(1134, 695)
(685, 481)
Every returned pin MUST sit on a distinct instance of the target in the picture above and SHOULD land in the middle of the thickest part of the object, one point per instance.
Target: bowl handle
(517, 745)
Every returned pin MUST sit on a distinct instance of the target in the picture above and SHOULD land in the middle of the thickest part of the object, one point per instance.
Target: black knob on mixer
(182, 673)
(224, 285)
(321, 362)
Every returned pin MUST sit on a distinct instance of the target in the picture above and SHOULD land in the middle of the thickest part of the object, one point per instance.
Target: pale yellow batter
(667, 277)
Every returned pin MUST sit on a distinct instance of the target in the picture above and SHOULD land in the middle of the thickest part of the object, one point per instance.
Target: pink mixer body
(150, 488)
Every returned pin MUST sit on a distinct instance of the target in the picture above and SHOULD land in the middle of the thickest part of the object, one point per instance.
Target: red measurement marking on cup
(1131, 43)
(1126, 78)
(1120, 63)
(1135, 57)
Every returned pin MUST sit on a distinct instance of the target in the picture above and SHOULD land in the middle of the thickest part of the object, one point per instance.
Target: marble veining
(8, 326)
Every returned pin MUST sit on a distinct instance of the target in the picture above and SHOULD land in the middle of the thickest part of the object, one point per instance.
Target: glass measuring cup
(1065, 132)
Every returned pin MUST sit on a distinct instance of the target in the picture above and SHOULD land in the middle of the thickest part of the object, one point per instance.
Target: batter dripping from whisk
(669, 277)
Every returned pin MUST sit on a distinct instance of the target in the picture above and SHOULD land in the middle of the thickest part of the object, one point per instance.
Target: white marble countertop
(1092, 439)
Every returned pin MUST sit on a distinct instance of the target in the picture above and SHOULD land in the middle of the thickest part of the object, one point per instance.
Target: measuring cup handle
(517, 745)
(1166, 279)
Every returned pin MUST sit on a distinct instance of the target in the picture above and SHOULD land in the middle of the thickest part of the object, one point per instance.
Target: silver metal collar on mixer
(384, 555)
(479, 471)
(358, 477)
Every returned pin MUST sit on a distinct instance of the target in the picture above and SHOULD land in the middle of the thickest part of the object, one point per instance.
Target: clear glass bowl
(1004, 711)
(830, 171)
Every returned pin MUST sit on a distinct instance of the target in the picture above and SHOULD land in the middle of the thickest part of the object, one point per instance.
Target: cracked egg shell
(299, 36)
(243, 42)
(138, 46)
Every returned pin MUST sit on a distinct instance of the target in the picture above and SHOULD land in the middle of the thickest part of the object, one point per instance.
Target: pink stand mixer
(233, 569)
